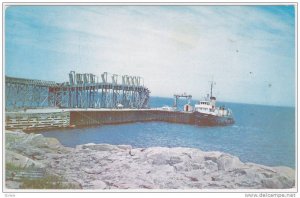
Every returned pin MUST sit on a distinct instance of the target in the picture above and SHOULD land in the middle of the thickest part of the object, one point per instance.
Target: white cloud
(178, 49)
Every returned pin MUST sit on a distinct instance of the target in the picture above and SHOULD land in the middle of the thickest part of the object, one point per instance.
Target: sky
(249, 51)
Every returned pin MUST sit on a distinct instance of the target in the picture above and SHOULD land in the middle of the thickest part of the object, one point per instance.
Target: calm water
(261, 134)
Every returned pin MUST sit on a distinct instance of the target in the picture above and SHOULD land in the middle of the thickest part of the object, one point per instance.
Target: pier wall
(37, 121)
(85, 118)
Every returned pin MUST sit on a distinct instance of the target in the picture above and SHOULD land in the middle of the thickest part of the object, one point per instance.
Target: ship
(206, 113)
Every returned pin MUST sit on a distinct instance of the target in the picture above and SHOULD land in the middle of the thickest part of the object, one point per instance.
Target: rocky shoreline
(104, 166)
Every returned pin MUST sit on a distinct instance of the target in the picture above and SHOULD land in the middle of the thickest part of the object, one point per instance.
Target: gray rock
(227, 162)
(210, 166)
(279, 182)
(99, 147)
(125, 147)
(174, 160)
(98, 184)
(12, 184)
(104, 166)
(21, 161)
(93, 170)
(158, 159)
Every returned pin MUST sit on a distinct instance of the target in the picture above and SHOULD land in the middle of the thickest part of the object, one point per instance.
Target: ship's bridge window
(204, 103)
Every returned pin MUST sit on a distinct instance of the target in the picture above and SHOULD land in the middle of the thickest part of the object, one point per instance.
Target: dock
(82, 101)
(47, 119)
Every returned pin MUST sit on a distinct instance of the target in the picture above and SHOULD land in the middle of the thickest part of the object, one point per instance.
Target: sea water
(261, 134)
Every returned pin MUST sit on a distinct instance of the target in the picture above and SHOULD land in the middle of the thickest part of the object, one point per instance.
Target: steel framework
(184, 95)
(82, 91)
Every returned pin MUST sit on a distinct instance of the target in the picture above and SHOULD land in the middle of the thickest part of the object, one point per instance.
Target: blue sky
(248, 50)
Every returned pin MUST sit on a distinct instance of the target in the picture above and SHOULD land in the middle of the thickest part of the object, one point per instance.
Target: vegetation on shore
(48, 181)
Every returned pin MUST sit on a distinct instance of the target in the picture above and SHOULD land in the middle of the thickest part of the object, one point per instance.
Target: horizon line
(245, 103)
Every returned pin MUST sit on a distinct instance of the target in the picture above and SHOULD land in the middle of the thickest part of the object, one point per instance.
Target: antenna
(212, 83)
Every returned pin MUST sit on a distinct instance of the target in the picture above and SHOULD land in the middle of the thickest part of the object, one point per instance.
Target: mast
(211, 88)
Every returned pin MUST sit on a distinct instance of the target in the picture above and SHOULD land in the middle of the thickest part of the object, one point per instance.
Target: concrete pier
(36, 121)
(40, 119)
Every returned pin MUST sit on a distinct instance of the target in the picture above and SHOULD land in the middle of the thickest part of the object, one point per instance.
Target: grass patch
(48, 182)
(11, 170)
(13, 167)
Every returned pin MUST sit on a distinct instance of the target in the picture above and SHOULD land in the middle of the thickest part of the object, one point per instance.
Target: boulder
(98, 184)
(278, 182)
(227, 162)
(21, 161)
(124, 147)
